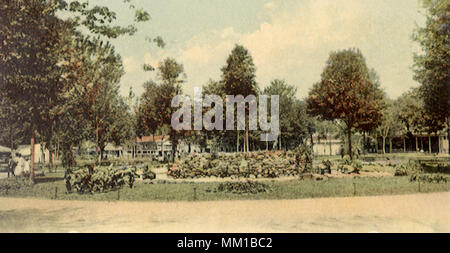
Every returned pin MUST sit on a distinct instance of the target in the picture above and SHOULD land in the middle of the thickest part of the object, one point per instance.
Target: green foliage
(391, 124)
(159, 42)
(31, 39)
(148, 67)
(326, 167)
(346, 160)
(146, 173)
(303, 157)
(431, 66)
(348, 165)
(411, 112)
(292, 117)
(101, 180)
(15, 184)
(238, 77)
(100, 19)
(327, 164)
(426, 178)
(251, 187)
(93, 108)
(60, 80)
(348, 91)
(239, 73)
(357, 165)
(13, 131)
(155, 110)
(407, 168)
(141, 16)
(256, 164)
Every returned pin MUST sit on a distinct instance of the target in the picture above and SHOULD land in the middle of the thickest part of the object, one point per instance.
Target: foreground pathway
(401, 213)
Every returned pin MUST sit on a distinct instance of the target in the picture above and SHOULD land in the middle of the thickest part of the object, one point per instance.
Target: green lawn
(45, 188)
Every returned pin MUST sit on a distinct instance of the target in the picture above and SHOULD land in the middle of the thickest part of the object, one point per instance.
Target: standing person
(26, 166)
(19, 168)
(12, 164)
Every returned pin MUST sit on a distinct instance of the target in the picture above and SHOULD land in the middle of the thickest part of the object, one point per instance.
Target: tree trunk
(162, 147)
(331, 149)
(52, 161)
(246, 137)
(97, 144)
(237, 141)
(376, 143)
(429, 143)
(439, 144)
(32, 156)
(174, 150)
(43, 153)
(448, 135)
(404, 145)
(390, 145)
(245, 141)
(417, 145)
(349, 131)
(57, 149)
(11, 141)
(384, 145)
(364, 143)
(267, 143)
(280, 146)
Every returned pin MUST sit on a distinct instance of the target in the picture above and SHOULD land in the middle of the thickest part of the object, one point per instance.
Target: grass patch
(53, 184)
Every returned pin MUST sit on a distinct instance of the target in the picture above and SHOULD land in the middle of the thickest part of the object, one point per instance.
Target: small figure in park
(12, 165)
(23, 166)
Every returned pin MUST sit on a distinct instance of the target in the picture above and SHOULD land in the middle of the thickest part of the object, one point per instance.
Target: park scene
(353, 137)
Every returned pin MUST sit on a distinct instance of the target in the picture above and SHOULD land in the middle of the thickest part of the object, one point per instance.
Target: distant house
(150, 146)
(327, 146)
(41, 154)
(420, 142)
(160, 147)
(112, 150)
(4, 154)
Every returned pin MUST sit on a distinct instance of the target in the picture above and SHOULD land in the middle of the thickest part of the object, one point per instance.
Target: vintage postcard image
(261, 116)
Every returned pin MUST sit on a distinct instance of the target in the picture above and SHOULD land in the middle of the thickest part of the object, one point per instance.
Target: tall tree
(346, 92)
(155, 110)
(100, 101)
(390, 124)
(215, 88)
(238, 77)
(292, 117)
(12, 131)
(33, 40)
(31, 37)
(412, 114)
(432, 65)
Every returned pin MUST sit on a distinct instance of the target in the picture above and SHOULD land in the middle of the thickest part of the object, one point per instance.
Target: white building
(327, 146)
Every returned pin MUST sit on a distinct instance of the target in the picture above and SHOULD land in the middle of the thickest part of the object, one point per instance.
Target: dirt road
(402, 213)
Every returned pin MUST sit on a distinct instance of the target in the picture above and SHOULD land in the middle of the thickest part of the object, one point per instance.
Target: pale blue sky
(288, 39)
